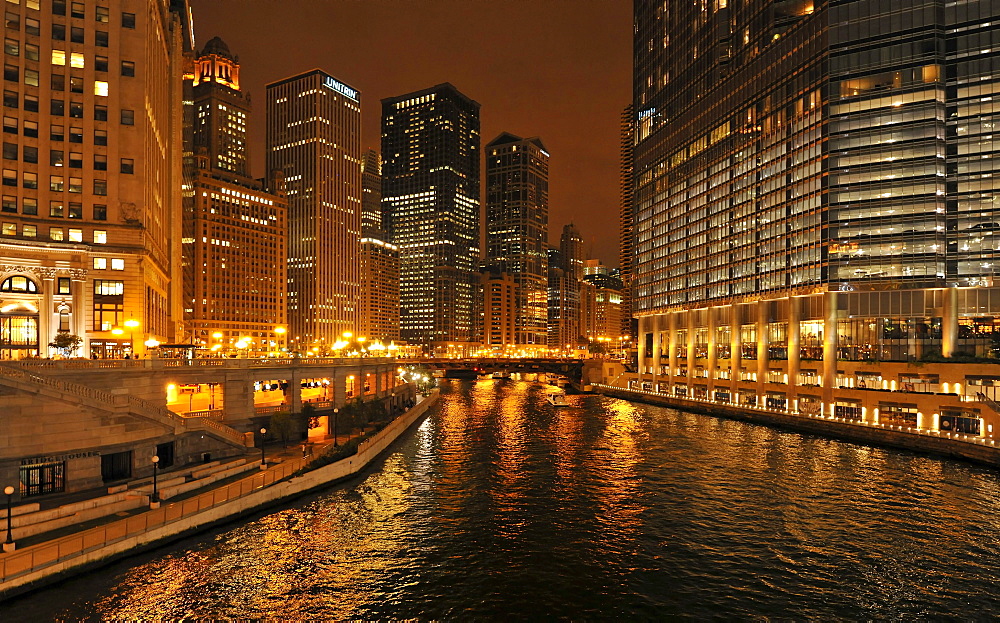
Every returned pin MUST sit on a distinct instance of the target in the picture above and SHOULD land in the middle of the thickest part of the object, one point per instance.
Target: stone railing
(155, 364)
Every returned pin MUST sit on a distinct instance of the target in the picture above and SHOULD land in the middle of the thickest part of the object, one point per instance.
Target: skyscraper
(234, 227)
(314, 138)
(815, 190)
(430, 190)
(626, 213)
(379, 312)
(564, 279)
(90, 223)
(517, 228)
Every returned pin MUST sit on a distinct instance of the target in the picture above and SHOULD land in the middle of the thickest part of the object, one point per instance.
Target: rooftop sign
(338, 86)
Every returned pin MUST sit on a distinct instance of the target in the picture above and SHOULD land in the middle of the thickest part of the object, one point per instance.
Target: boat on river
(557, 398)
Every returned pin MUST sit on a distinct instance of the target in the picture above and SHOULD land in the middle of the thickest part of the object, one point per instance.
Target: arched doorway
(18, 318)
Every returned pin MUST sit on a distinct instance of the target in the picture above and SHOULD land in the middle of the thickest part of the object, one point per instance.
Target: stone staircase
(24, 380)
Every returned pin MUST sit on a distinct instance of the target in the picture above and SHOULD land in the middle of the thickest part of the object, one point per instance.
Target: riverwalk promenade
(43, 558)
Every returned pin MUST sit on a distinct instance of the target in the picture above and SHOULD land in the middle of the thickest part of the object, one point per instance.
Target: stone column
(294, 390)
(78, 285)
(949, 323)
(672, 344)
(643, 328)
(47, 318)
(657, 355)
(762, 343)
(713, 359)
(831, 301)
(793, 338)
(735, 351)
(338, 378)
(689, 322)
(237, 397)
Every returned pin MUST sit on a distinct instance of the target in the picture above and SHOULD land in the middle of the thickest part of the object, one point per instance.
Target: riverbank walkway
(239, 477)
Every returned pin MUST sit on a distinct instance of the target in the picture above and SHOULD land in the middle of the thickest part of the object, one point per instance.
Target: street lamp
(9, 545)
(154, 500)
(132, 325)
(263, 462)
(335, 412)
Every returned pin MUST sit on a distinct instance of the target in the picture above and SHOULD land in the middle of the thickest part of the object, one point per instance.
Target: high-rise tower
(517, 228)
(430, 190)
(378, 316)
(626, 221)
(314, 139)
(235, 227)
(815, 190)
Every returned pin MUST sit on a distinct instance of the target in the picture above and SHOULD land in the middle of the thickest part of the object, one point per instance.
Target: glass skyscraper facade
(815, 191)
(430, 191)
(517, 228)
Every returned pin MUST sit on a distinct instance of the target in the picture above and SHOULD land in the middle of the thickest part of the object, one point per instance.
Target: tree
(308, 415)
(281, 426)
(66, 343)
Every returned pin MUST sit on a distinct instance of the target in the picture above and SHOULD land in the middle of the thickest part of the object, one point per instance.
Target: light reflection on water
(501, 506)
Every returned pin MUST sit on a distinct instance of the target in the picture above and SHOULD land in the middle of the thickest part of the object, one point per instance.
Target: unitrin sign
(338, 86)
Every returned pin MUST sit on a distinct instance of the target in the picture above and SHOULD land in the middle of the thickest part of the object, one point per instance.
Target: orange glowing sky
(558, 69)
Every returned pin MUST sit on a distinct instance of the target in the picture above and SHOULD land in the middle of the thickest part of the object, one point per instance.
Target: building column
(672, 344)
(831, 300)
(794, 314)
(237, 398)
(713, 359)
(294, 390)
(689, 323)
(762, 343)
(657, 354)
(47, 315)
(735, 352)
(78, 289)
(643, 329)
(949, 323)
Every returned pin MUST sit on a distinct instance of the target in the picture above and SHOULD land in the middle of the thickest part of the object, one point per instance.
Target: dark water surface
(503, 507)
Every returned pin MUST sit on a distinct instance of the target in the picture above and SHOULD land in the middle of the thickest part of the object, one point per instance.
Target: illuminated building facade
(626, 214)
(499, 311)
(517, 228)
(90, 219)
(815, 191)
(314, 138)
(430, 190)
(234, 227)
(379, 312)
(565, 272)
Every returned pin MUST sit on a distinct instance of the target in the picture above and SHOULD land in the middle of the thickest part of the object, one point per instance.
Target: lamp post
(263, 461)
(132, 324)
(154, 500)
(9, 545)
(280, 332)
(335, 412)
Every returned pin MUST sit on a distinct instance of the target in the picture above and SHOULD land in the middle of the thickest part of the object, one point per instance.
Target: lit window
(100, 88)
(100, 263)
(30, 231)
(100, 236)
(117, 263)
(9, 229)
(76, 59)
(56, 233)
(76, 235)
(58, 57)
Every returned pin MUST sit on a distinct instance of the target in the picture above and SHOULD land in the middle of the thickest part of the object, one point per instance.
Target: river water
(500, 506)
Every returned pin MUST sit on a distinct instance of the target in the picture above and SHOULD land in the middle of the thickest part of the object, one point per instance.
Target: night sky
(558, 69)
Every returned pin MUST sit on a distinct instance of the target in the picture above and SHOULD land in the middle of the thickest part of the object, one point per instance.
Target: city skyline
(582, 80)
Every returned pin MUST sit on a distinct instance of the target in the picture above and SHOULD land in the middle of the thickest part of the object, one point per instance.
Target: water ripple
(501, 507)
